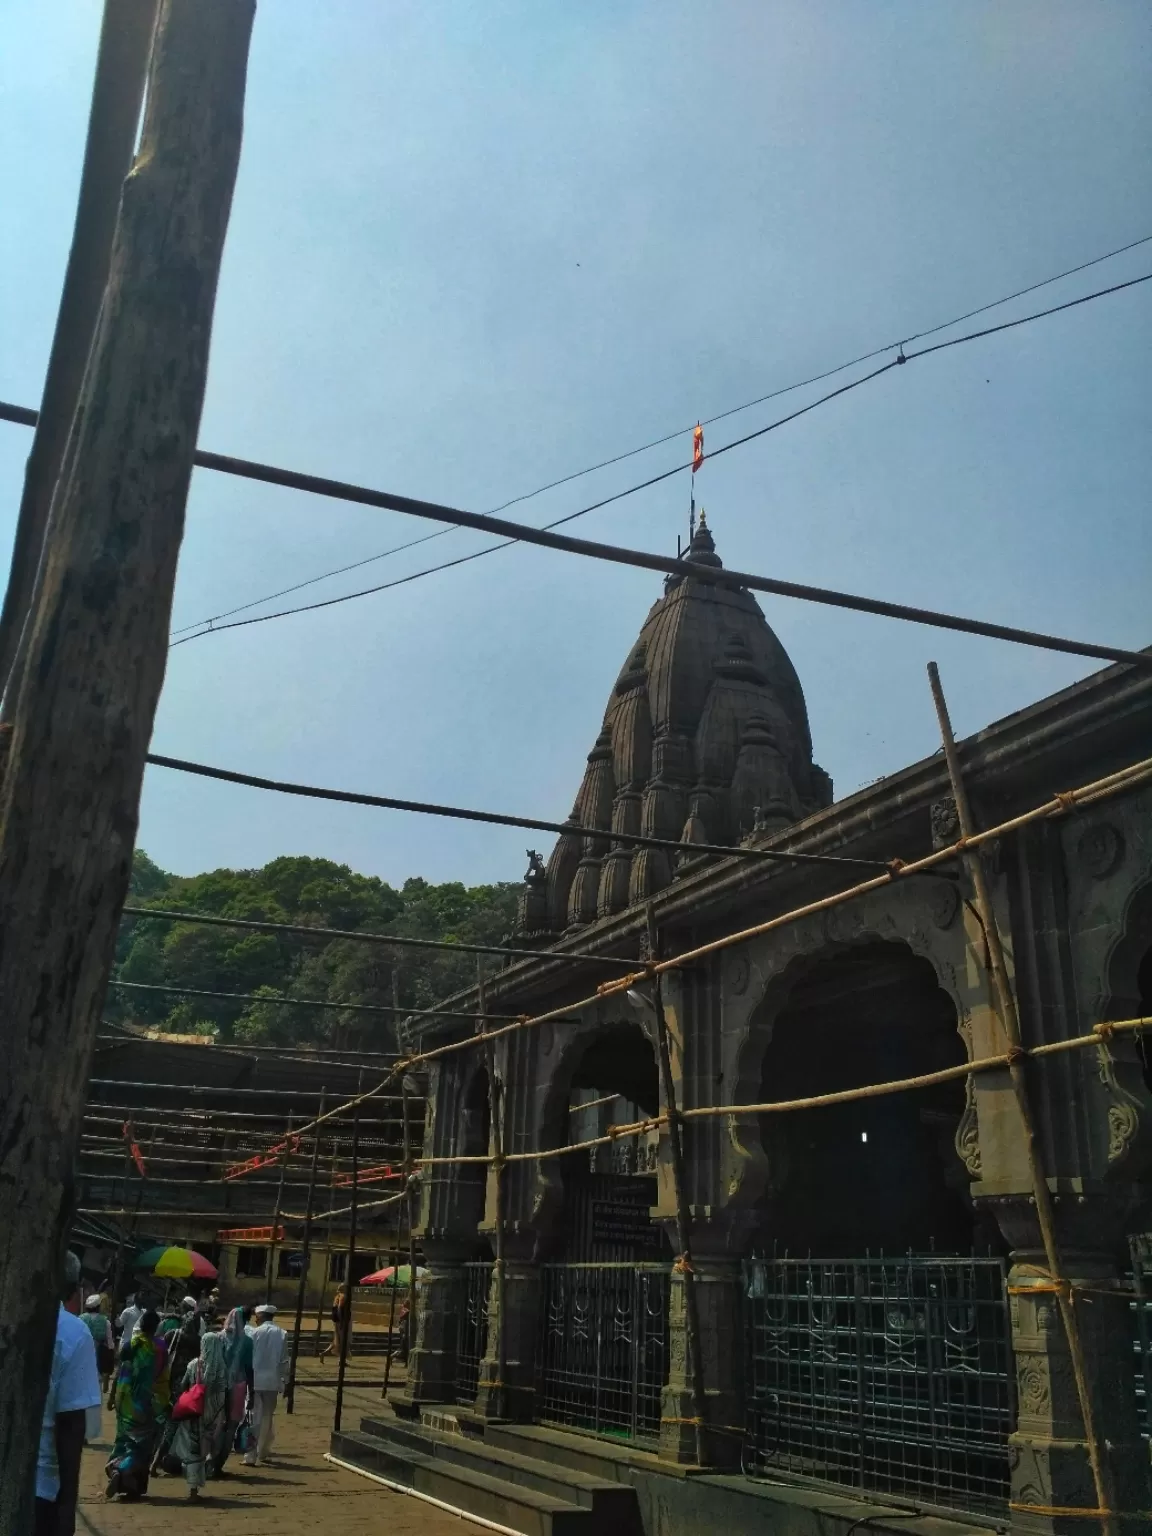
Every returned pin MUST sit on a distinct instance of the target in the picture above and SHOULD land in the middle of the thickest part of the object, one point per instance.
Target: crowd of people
(189, 1385)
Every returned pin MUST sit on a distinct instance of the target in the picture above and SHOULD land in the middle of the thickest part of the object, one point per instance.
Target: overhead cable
(668, 437)
(496, 818)
(297, 1002)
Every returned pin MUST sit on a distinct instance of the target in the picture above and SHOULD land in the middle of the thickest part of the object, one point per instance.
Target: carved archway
(883, 1172)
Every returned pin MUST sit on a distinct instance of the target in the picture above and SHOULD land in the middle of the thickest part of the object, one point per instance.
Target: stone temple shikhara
(874, 1322)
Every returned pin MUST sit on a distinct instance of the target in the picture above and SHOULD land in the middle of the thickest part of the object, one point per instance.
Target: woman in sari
(195, 1442)
(141, 1407)
(183, 1349)
(238, 1378)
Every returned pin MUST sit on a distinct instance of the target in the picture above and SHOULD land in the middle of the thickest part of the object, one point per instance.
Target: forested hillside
(314, 892)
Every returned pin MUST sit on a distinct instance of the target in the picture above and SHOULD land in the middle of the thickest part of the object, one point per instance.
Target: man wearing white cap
(269, 1372)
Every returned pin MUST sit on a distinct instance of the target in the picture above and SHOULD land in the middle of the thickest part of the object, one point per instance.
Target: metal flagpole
(306, 1250)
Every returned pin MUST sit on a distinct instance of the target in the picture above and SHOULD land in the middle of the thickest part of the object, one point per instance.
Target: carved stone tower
(704, 739)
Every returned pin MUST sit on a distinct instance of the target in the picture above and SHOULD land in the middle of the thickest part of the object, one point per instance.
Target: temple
(878, 1335)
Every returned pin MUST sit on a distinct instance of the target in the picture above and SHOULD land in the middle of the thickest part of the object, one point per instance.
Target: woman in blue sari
(238, 1379)
(142, 1402)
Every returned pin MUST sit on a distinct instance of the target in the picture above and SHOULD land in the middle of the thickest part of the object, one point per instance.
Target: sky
(475, 248)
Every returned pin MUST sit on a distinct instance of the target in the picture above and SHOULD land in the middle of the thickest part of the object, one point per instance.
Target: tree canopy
(271, 967)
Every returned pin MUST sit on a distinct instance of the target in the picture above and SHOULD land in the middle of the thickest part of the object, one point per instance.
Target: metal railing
(894, 1376)
(603, 1357)
(472, 1330)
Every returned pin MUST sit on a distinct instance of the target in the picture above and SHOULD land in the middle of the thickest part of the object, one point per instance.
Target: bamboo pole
(410, 1315)
(306, 1249)
(285, 1159)
(497, 1389)
(346, 1331)
(327, 1246)
(97, 631)
(683, 1216)
(1010, 1023)
(398, 1250)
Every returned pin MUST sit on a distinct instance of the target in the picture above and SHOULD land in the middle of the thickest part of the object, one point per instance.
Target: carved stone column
(440, 1301)
(507, 1389)
(717, 1245)
(1048, 1453)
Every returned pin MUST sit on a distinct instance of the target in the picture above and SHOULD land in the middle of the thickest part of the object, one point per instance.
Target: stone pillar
(1048, 1453)
(512, 1396)
(440, 1301)
(718, 1281)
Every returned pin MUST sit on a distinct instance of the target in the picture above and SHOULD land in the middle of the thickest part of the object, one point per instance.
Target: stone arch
(612, 1055)
(911, 971)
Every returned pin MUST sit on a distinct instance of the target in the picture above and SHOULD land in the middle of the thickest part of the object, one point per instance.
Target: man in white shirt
(73, 1387)
(269, 1372)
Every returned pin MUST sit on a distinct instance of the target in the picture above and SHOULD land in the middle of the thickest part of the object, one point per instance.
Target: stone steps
(529, 1494)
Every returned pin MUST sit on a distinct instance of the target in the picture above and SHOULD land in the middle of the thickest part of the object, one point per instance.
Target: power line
(497, 818)
(520, 532)
(402, 941)
(658, 442)
(283, 1001)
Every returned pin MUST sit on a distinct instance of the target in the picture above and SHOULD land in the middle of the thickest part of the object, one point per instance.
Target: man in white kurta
(269, 1372)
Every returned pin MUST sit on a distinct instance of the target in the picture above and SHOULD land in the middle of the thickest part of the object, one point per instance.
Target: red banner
(262, 1235)
(134, 1149)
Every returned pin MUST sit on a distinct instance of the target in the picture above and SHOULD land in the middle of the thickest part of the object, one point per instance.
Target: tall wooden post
(274, 1245)
(121, 67)
(410, 1203)
(346, 1331)
(683, 1215)
(306, 1250)
(98, 634)
(332, 1176)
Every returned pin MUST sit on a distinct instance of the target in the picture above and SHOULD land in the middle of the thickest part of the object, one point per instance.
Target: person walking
(199, 1414)
(73, 1388)
(341, 1320)
(269, 1371)
(142, 1403)
(238, 1370)
(97, 1324)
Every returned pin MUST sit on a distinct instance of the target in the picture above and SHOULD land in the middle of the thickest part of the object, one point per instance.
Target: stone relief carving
(739, 972)
(944, 904)
(1100, 849)
(967, 1139)
(945, 822)
(1123, 1110)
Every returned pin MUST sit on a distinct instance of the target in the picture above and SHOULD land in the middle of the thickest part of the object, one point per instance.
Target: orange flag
(134, 1149)
(697, 447)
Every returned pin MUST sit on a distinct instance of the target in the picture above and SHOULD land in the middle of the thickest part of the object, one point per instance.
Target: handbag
(190, 1403)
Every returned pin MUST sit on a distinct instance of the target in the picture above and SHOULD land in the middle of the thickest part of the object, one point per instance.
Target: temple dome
(705, 739)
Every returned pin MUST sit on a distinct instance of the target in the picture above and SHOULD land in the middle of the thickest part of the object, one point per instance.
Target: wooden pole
(327, 1243)
(118, 90)
(346, 1330)
(306, 1250)
(98, 636)
(399, 1250)
(409, 1206)
(497, 1390)
(683, 1215)
(273, 1247)
(1041, 1194)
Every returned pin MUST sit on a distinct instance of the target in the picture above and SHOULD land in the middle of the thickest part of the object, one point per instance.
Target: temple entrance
(604, 1313)
(878, 1341)
(873, 1175)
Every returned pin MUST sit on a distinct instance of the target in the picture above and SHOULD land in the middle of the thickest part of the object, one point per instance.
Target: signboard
(624, 1224)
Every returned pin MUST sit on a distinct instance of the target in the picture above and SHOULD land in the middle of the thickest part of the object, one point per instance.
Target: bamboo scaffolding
(346, 1330)
(306, 1254)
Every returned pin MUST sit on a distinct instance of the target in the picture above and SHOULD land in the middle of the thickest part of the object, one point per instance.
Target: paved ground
(293, 1495)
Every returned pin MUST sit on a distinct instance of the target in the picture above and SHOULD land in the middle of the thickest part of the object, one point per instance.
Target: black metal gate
(890, 1375)
(472, 1330)
(603, 1357)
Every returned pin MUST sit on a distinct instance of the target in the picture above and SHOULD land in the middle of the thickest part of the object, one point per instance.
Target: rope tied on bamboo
(1065, 799)
(895, 867)
(683, 1266)
(1106, 1031)
(1014, 1055)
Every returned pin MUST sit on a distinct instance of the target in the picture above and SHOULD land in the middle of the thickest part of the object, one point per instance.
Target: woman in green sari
(142, 1403)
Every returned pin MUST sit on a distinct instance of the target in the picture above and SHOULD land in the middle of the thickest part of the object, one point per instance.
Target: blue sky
(476, 247)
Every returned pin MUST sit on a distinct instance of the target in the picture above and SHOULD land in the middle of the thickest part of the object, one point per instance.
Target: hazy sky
(476, 247)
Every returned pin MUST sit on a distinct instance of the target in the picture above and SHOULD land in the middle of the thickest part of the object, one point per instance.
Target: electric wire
(496, 818)
(669, 437)
(517, 532)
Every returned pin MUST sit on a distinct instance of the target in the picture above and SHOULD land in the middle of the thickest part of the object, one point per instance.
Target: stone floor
(294, 1494)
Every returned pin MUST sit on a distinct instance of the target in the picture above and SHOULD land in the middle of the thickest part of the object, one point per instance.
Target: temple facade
(875, 1317)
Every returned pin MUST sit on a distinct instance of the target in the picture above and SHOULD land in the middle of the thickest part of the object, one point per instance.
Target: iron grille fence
(1140, 1247)
(472, 1330)
(894, 1376)
(603, 1357)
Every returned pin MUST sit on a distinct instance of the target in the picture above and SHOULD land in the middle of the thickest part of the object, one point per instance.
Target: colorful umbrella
(393, 1276)
(175, 1264)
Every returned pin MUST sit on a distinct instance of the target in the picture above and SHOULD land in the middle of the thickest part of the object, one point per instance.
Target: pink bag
(190, 1404)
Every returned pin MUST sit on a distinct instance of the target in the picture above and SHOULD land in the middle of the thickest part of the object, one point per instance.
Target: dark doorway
(875, 1175)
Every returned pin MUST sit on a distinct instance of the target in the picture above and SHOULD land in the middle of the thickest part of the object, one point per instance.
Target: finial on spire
(703, 524)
